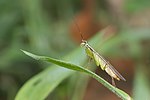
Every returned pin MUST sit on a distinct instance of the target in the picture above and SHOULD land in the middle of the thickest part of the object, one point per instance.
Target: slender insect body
(100, 61)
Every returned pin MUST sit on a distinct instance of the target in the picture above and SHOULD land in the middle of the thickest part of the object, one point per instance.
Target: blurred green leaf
(141, 84)
(136, 5)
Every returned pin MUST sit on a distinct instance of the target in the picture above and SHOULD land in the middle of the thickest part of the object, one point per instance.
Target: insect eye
(82, 44)
(85, 42)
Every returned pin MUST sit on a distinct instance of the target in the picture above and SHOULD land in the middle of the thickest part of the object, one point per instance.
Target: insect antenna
(79, 30)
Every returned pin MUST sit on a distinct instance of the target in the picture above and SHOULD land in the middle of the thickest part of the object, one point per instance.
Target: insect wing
(100, 61)
(116, 72)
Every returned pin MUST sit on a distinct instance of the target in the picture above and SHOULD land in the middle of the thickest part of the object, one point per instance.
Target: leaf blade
(115, 90)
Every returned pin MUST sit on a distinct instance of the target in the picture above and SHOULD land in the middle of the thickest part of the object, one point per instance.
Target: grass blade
(115, 90)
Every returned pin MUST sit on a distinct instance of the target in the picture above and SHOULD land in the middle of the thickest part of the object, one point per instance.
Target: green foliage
(136, 5)
(141, 84)
(46, 85)
(37, 25)
(28, 88)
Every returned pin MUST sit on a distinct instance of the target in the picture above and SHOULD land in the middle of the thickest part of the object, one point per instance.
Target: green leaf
(39, 87)
(71, 66)
(42, 84)
(141, 88)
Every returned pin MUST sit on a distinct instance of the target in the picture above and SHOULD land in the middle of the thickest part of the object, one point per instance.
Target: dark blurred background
(46, 27)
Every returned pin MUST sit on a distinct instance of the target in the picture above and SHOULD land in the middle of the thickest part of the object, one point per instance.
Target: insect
(101, 61)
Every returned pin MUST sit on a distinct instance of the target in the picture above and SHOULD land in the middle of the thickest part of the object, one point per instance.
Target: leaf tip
(31, 55)
(22, 50)
(27, 53)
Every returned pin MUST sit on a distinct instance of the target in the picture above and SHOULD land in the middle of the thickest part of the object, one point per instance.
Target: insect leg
(113, 81)
(89, 60)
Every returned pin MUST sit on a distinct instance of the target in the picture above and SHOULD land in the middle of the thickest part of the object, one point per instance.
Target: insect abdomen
(111, 73)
